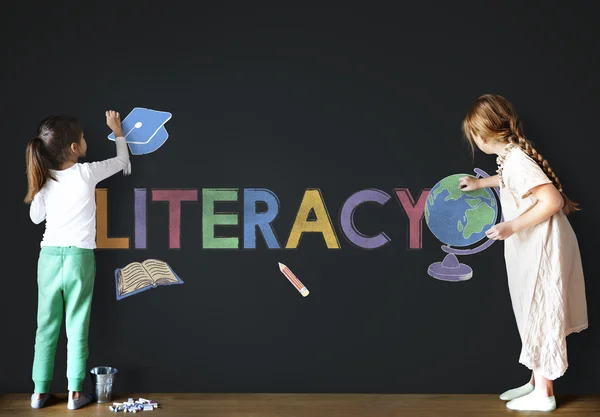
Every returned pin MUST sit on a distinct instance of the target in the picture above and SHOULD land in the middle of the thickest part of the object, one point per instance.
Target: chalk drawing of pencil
(293, 279)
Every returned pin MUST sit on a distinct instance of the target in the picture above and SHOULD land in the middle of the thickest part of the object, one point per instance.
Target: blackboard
(297, 102)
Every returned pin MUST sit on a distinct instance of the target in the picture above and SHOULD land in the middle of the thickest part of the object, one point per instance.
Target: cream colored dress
(545, 276)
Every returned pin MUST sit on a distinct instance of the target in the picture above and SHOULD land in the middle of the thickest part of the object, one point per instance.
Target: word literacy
(312, 202)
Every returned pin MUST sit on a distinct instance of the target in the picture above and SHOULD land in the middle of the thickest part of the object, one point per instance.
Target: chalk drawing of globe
(459, 218)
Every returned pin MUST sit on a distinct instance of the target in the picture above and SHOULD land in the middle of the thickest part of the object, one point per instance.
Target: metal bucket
(102, 380)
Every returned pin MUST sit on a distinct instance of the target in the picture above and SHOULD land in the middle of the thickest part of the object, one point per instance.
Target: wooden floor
(309, 405)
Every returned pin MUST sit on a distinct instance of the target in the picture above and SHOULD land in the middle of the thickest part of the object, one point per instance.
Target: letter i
(140, 218)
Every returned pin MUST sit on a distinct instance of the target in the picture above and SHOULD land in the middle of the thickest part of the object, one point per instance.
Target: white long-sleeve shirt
(69, 204)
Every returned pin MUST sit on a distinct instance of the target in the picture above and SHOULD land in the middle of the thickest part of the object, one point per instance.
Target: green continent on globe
(477, 217)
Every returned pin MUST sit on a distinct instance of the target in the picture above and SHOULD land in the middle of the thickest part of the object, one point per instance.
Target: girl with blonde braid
(545, 275)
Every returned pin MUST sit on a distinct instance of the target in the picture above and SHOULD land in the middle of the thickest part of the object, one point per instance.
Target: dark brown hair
(492, 116)
(48, 149)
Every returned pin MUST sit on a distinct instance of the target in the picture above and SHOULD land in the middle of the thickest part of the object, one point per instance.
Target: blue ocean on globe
(459, 218)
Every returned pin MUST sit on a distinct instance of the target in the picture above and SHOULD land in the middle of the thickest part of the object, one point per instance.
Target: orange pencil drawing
(293, 279)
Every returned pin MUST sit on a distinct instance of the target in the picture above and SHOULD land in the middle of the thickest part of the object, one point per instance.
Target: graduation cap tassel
(127, 170)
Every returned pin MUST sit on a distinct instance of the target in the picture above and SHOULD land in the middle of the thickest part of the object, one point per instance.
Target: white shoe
(511, 394)
(534, 401)
(84, 399)
(35, 403)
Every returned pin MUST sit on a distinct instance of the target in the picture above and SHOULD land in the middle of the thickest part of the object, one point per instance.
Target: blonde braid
(517, 137)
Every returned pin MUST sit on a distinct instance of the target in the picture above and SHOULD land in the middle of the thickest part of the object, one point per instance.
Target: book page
(133, 277)
(159, 271)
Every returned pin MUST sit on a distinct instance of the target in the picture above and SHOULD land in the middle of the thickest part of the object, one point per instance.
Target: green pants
(65, 286)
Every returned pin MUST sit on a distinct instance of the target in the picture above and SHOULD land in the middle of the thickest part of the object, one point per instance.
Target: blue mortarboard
(144, 130)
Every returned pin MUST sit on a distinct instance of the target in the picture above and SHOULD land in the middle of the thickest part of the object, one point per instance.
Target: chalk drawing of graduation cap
(144, 130)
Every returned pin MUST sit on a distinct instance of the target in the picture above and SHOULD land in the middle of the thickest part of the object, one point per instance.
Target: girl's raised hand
(113, 120)
(467, 183)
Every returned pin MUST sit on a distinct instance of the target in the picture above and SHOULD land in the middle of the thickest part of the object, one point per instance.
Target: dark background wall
(289, 98)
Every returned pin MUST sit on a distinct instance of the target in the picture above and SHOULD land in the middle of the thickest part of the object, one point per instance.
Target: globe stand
(450, 269)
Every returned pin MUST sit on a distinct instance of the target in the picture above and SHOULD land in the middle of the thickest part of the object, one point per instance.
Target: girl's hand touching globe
(468, 183)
